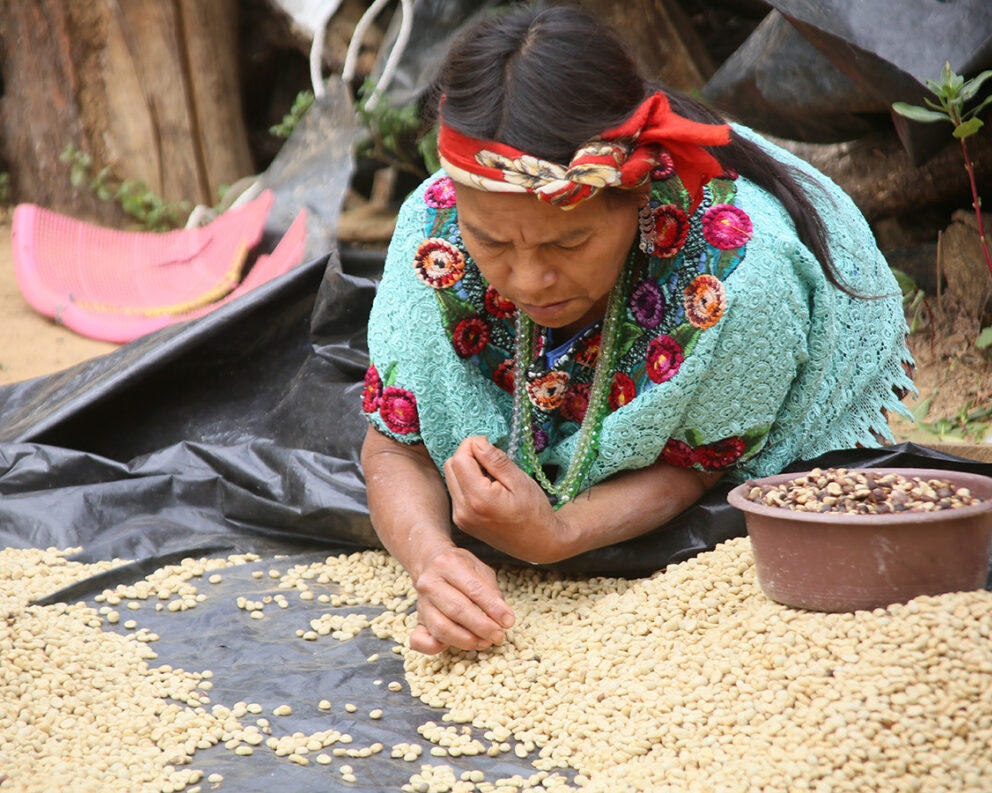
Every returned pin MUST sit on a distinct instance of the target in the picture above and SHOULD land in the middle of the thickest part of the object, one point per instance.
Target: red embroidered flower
(665, 168)
(671, 229)
(678, 453)
(372, 392)
(470, 336)
(440, 194)
(720, 454)
(398, 408)
(497, 305)
(664, 358)
(589, 352)
(503, 376)
(705, 301)
(548, 391)
(725, 226)
(438, 263)
(576, 402)
(622, 390)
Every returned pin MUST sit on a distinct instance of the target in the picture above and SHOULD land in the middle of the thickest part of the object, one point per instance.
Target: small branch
(977, 204)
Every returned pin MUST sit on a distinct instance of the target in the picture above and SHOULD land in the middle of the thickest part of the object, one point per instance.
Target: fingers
(422, 641)
(493, 460)
(460, 603)
(445, 630)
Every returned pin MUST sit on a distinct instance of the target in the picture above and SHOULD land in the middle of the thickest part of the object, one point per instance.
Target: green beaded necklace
(521, 443)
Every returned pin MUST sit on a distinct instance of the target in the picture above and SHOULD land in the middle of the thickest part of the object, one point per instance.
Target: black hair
(546, 80)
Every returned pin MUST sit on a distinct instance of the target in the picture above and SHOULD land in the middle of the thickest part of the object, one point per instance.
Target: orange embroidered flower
(548, 391)
(705, 301)
(438, 263)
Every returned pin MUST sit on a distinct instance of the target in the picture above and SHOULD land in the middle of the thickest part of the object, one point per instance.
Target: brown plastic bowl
(843, 562)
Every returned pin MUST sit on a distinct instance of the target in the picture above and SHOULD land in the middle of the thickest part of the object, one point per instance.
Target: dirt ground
(948, 372)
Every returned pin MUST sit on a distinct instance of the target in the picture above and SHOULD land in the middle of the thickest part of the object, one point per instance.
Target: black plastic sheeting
(890, 48)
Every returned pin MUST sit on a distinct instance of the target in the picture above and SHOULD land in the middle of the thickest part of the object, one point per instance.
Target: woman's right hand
(459, 604)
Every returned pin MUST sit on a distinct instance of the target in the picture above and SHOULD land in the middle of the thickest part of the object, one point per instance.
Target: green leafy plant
(914, 301)
(394, 137)
(147, 207)
(303, 102)
(953, 93)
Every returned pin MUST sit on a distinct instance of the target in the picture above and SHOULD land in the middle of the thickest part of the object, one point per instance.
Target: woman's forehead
(495, 213)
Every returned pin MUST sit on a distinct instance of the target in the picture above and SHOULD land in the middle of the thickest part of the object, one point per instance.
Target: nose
(532, 275)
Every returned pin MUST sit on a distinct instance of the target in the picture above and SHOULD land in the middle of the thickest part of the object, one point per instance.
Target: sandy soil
(30, 344)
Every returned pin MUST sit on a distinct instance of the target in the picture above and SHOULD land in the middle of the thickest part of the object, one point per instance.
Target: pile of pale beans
(690, 680)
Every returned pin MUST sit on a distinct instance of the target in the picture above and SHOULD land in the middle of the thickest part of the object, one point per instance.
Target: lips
(546, 310)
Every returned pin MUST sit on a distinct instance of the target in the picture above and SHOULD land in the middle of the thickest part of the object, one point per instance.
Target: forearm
(408, 502)
(628, 505)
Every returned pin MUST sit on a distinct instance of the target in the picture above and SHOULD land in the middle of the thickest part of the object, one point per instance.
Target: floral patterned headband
(620, 157)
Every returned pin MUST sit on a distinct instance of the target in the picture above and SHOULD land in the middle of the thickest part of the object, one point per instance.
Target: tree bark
(661, 40)
(880, 177)
(148, 87)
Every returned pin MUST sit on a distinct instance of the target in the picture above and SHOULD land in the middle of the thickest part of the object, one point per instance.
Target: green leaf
(970, 90)
(979, 108)
(984, 338)
(917, 113)
(967, 128)
(906, 284)
(694, 437)
(754, 439)
(920, 409)
(941, 107)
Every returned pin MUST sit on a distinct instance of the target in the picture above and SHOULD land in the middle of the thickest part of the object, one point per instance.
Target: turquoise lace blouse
(737, 353)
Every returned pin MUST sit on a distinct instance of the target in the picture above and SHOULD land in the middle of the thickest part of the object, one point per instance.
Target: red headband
(620, 157)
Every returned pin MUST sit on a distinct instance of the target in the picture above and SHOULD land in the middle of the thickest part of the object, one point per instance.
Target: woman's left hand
(493, 500)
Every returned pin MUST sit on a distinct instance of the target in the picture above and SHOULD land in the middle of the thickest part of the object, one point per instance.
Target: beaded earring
(646, 226)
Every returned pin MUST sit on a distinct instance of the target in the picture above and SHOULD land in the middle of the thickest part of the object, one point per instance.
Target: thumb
(494, 460)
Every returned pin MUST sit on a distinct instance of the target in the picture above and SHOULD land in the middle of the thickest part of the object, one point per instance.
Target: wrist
(425, 553)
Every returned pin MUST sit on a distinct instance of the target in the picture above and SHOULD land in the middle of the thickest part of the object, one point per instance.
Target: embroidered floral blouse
(735, 352)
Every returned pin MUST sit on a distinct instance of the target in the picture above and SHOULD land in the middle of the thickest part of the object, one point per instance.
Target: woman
(607, 302)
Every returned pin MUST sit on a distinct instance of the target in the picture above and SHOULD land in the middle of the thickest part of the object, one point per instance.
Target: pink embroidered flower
(647, 304)
(470, 336)
(497, 305)
(671, 230)
(438, 263)
(622, 391)
(440, 194)
(548, 391)
(398, 408)
(678, 453)
(665, 168)
(576, 402)
(705, 301)
(503, 376)
(372, 392)
(589, 352)
(720, 454)
(664, 358)
(725, 226)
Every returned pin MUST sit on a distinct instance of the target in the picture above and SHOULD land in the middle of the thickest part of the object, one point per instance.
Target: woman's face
(556, 265)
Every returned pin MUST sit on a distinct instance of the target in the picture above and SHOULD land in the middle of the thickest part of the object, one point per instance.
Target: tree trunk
(881, 179)
(148, 87)
(661, 40)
